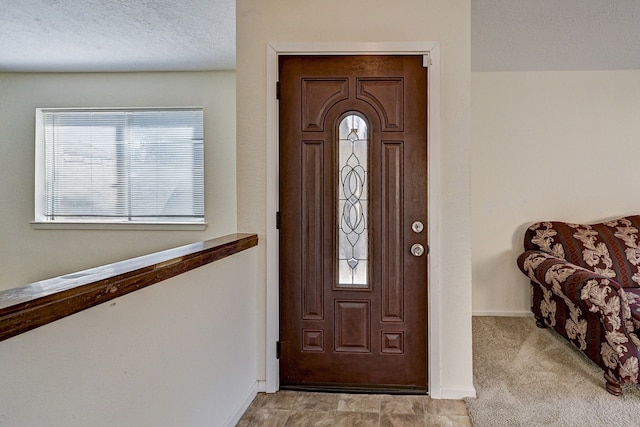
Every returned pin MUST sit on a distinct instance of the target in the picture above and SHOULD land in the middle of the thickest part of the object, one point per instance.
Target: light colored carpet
(526, 376)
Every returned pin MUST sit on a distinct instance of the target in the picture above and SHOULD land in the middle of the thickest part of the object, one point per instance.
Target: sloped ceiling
(117, 35)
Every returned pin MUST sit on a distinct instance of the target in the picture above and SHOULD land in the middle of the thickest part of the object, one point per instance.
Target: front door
(353, 222)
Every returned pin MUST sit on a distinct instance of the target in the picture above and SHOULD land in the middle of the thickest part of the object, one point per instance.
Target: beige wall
(28, 255)
(259, 23)
(178, 353)
(546, 146)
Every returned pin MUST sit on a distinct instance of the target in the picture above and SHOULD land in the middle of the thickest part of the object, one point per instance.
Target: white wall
(28, 255)
(554, 145)
(260, 23)
(179, 353)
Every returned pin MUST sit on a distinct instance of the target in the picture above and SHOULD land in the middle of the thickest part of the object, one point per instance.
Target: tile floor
(289, 408)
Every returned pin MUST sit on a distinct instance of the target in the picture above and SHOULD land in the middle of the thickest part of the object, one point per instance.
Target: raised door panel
(387, 97)
(353, 326)
(312, 247)
(318, 95)
(392, 224)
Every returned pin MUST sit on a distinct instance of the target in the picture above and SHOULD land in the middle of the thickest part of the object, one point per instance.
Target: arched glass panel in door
(353, 239)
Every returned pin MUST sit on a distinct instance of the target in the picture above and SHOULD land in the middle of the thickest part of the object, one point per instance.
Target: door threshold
(357, 389)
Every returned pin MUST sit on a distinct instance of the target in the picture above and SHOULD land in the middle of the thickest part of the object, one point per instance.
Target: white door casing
(431, 51)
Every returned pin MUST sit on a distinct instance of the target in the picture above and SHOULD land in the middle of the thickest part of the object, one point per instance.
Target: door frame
(431, 53)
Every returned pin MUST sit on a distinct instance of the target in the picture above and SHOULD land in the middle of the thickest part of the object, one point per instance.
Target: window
(119, 166)
(353, 240)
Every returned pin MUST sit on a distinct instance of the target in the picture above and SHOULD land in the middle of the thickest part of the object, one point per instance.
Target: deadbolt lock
(417, 226)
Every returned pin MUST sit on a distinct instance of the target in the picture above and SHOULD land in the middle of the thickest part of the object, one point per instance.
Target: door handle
(417, 250)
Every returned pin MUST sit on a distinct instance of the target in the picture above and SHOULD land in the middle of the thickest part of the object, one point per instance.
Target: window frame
(41, 221)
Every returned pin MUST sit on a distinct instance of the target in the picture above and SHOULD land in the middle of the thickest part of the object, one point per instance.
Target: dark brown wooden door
(353, 181)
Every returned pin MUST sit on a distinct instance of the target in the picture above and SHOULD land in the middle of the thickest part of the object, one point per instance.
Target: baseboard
(262, 386)
(244, 405)
(503, 313)
(456, 393)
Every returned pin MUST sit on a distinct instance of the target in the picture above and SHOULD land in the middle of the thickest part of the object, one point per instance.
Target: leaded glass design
(353, 239)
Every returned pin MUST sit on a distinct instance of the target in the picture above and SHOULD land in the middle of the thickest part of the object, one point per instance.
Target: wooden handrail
(30, 306)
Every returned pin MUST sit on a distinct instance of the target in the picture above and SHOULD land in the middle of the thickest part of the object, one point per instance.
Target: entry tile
(356, 419)
(279, 400)
(413, 405)
(317, 402)
(288, 408)
(311, 419)
(264, 418)
(403, 420)
(448, 420)
(446, 407)
(359, 403)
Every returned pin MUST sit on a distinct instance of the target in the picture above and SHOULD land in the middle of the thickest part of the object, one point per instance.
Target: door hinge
(426, 60)
(278, 220)
(278, 349)
(277, 90)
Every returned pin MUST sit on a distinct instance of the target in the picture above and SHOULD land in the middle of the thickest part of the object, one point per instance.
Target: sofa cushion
(610, 248)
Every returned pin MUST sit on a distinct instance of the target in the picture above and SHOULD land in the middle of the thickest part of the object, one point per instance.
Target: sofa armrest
(588, 290)
(584, 290)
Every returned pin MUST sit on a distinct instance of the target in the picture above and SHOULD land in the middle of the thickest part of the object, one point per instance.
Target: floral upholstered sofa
(585, 282)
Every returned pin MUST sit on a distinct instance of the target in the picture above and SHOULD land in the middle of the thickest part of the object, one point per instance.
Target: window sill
(169, 226)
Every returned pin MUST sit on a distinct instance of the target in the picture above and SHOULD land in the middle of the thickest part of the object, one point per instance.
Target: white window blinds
(123, 165)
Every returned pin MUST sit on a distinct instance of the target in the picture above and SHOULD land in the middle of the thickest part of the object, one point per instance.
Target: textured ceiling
(117, 35)
(168, 35)
(532, 35)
